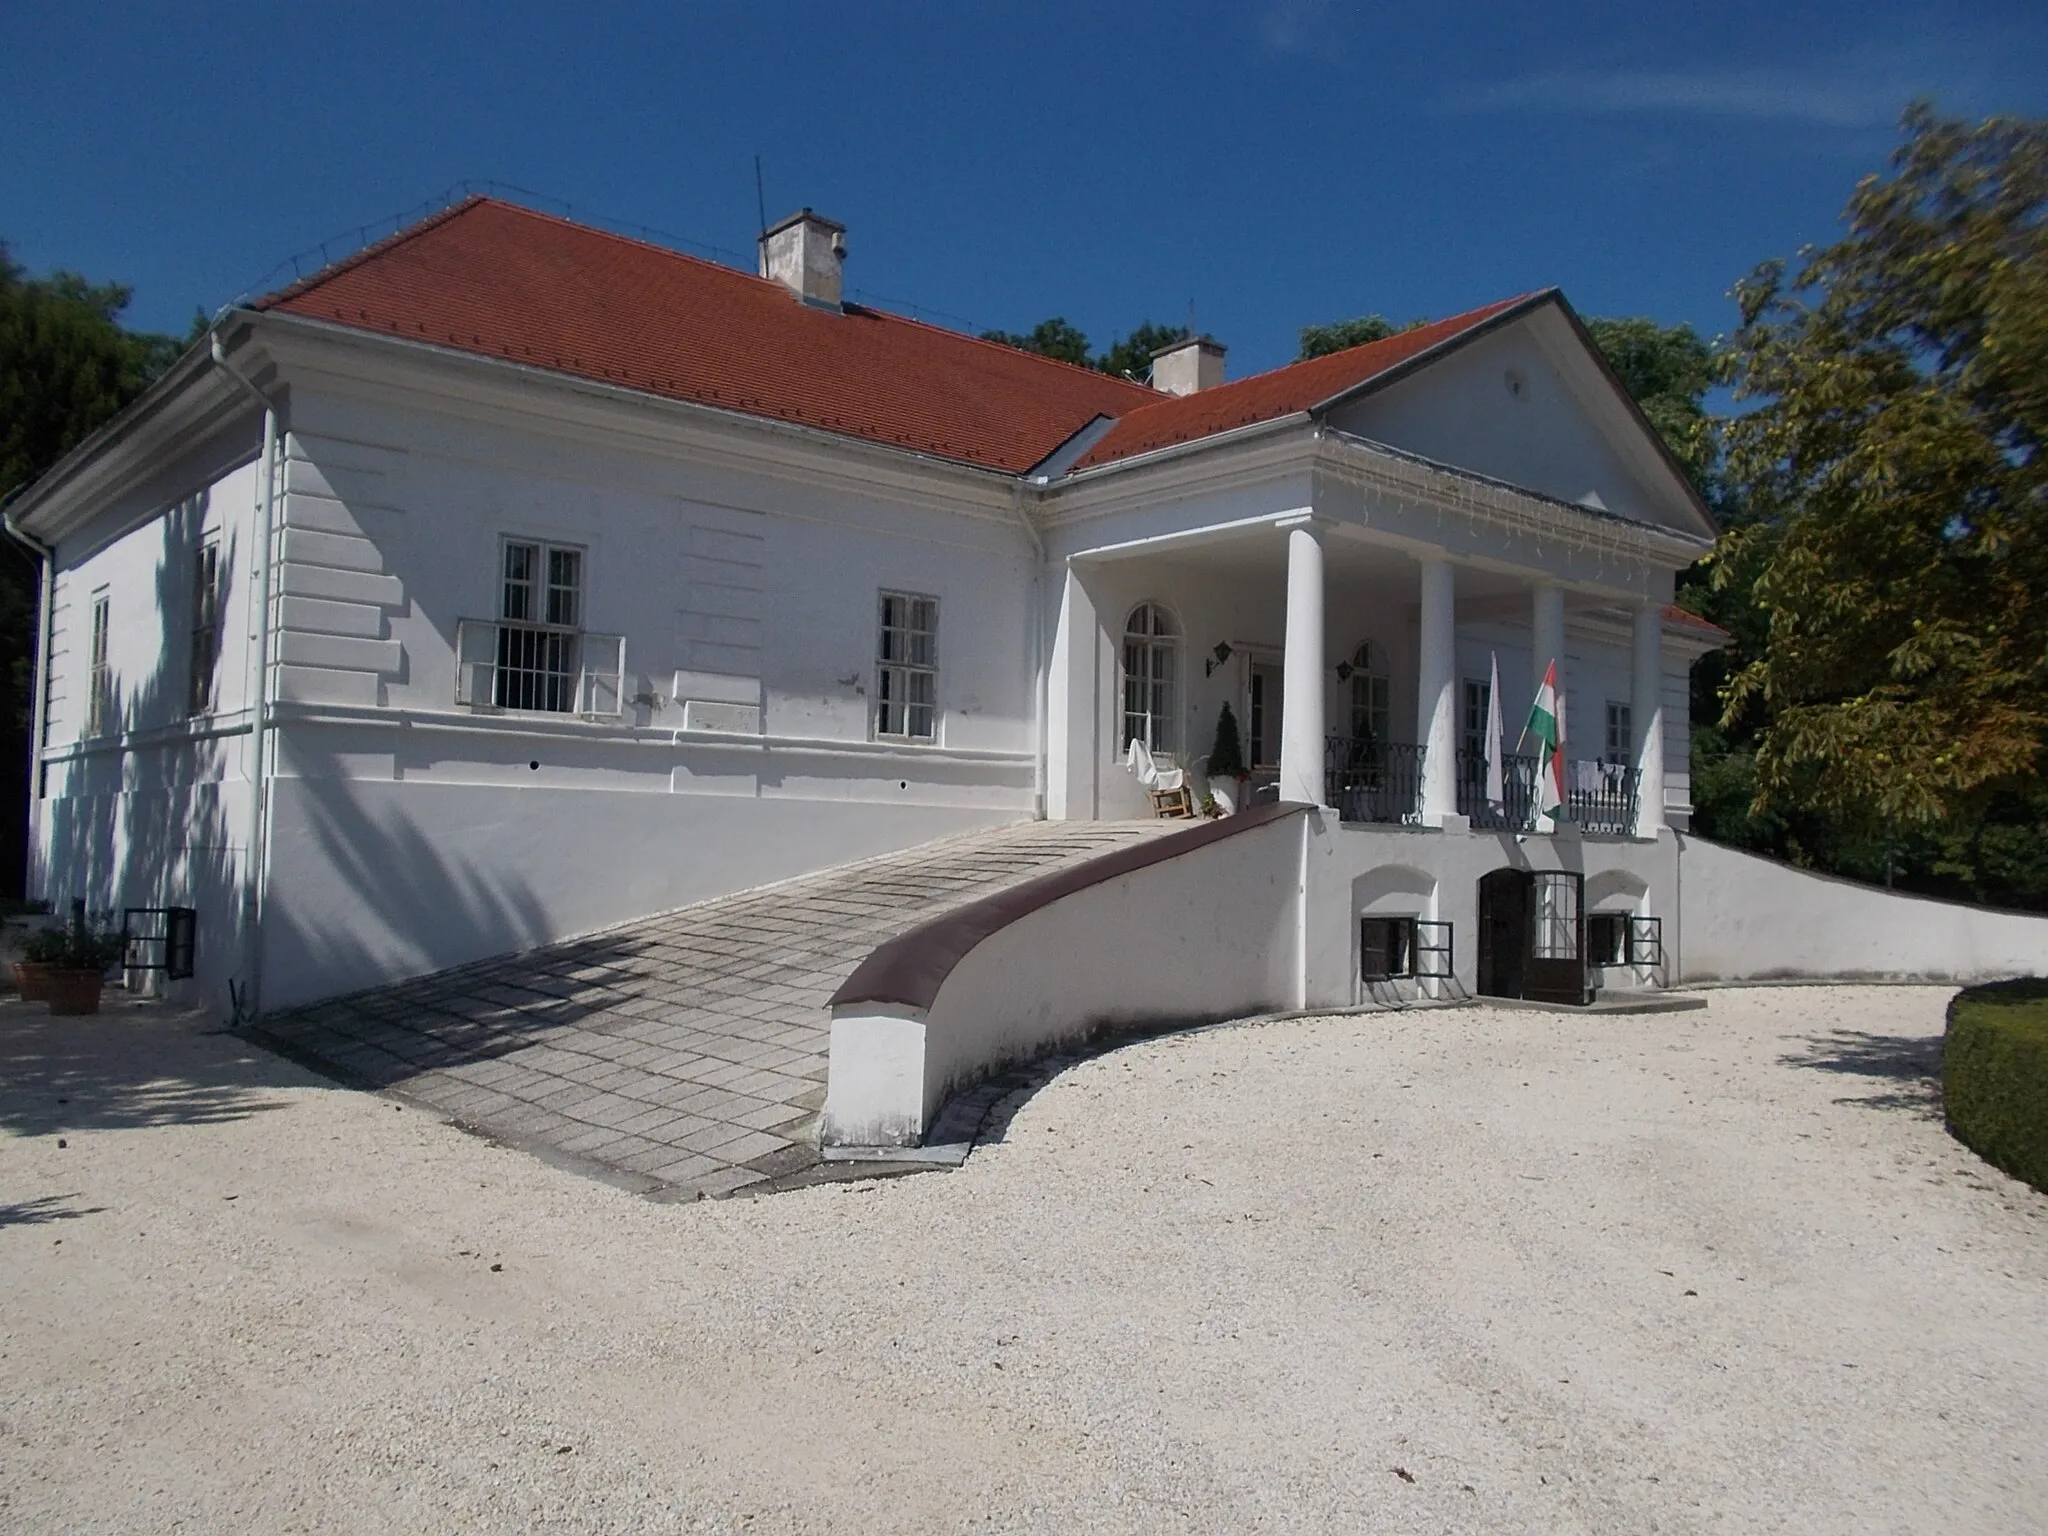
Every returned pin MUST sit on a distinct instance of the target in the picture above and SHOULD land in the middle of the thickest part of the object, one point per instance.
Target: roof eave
(1225, 438)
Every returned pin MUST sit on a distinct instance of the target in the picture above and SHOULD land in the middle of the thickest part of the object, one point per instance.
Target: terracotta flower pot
(32, 980)
(75, 992)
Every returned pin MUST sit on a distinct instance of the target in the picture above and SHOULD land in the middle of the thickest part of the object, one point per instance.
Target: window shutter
(604, 674)
(476, 661)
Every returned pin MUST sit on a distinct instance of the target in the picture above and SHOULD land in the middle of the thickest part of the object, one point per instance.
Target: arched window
(1371, 714)
(1151, 678)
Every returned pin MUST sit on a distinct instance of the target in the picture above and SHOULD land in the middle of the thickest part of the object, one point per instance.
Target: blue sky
(1272, 163)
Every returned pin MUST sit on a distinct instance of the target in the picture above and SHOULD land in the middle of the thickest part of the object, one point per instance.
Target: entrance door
(1532, 936)
(1265, 715)
(1503, 930)
(1554, 969)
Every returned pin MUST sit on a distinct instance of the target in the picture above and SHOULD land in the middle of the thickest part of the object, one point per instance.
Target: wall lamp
(1343, 671)
(1221, 654)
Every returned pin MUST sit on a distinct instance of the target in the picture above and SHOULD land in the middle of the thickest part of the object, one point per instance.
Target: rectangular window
(1620, 732)
(1478, 702)
(907, 667)
(1607, 938)
(1386, 947)
(540, 613)
(1553, 917)
(205, 648)
(1371, 708)
(98, 685)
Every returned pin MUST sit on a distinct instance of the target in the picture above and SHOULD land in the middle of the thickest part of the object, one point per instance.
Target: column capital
(1307, 521)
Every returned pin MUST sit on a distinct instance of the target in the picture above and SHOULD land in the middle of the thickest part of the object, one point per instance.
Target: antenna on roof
(760, 201)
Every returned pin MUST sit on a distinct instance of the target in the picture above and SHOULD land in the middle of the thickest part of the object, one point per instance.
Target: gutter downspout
(249, 926)
(1039, 679)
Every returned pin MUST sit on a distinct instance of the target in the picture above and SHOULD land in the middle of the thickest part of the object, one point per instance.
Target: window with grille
(1151, 678)
(1554, 917)
(1620, 732)
(541, 609)
(1478, 704)
(1371, 716)
(98, 697)
(204, 652)
(907, 668)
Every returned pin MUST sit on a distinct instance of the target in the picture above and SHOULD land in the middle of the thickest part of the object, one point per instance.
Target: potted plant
(70, 965)
(1226, 760)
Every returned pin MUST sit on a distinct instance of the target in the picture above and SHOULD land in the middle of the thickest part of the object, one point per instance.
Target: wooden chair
(1176, 804)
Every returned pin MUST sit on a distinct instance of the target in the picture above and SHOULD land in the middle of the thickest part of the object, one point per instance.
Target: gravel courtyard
(1468, 1271)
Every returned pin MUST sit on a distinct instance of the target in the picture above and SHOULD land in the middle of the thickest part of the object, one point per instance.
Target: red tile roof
(1705, 628)
(1281, 392)
(507, 282)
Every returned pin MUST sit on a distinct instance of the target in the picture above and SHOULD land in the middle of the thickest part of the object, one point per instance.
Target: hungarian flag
(1546, 724)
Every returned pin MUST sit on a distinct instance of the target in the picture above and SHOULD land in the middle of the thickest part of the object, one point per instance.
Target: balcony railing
(1372, 780)
(1598, 797)
(503, 664)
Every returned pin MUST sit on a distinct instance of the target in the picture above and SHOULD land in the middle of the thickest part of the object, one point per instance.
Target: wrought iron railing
(1601, 797)
(1372, 780)
(1598, 797)
(1516, 810)
(504, 664)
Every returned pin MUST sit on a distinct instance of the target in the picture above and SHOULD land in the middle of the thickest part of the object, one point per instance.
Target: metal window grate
(160, 939)
(1646, 941)
(501, 665)
(1434, 956)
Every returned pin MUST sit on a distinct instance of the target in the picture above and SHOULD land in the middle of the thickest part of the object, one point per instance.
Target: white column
(1646, 719)
(1546, 623)
(1070, 715)
(1301, 674)
(1436, 721)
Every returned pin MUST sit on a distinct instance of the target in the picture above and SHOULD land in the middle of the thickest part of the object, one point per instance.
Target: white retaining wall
(1753, 919)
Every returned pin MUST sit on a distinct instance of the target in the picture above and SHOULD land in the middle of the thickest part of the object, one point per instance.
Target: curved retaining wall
(1185, 928)
(1753, 919)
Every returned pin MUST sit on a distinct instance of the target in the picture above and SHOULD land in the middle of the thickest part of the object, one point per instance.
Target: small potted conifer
(70, 965)
(1226, 762)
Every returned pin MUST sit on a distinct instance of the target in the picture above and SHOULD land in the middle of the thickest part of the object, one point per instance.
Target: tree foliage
(1891, 468)
(1128, 357)
(1341, 335)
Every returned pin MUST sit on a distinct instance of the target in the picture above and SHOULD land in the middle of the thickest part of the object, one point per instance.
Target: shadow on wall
(371, 896)
(150, 827)
(1907, 1068)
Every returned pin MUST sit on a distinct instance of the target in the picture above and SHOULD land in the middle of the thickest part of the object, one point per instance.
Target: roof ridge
(304, 285)
(1153, 396)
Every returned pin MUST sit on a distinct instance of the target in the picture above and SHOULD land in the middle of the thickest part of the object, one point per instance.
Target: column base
(1447, 821)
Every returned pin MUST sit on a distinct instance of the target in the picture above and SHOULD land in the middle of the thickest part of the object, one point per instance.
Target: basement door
(1532, 935)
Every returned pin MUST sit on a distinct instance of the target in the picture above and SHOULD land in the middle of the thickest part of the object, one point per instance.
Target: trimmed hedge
(1994, 1075)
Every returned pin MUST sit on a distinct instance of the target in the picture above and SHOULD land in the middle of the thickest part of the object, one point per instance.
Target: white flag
(1496, 791)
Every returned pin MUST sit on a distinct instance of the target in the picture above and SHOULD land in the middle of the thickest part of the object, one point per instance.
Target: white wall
(1753, 919)
(153, 811)
(1209, 934)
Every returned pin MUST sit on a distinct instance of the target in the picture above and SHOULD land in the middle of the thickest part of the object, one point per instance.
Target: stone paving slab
(683, 1054)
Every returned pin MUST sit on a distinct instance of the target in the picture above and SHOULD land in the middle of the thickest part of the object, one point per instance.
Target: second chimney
(806, 254)
(1187, 366)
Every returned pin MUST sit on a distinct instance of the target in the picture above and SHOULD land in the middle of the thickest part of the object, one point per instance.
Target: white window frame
(906, 668)
(550, 665)
(1620, 731)
(1372, 697)
(99, 675)
(203, 648)
(1152, 679)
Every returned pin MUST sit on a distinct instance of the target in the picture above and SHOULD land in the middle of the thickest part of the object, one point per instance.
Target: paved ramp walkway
(683, 1053)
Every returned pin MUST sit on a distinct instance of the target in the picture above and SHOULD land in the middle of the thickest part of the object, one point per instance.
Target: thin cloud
(1298, 26)
(1865, 90)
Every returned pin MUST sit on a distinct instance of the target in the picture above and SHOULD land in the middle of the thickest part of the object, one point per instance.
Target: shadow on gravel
(125, 1069)
(1905, 1068)
(35, 1213)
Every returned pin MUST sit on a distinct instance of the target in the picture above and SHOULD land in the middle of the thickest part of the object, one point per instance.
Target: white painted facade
(1422, 533)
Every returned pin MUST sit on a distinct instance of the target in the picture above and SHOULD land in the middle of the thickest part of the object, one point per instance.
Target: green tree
(1891, 468)
(66, 366)
(1341, 335)
(1053, 338)
(1130, 357)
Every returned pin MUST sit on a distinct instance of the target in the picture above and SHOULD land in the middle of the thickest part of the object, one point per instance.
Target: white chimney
(1187, 366)
(805, 253)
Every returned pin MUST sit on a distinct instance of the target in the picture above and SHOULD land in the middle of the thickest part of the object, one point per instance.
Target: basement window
(1607, 938)
(907, 668)
(1386, 948)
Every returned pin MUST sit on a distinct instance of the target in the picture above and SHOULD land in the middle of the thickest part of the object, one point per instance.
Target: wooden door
(1503, 931)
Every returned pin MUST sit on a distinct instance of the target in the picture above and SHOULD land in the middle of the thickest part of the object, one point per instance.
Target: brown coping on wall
(909, 969)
